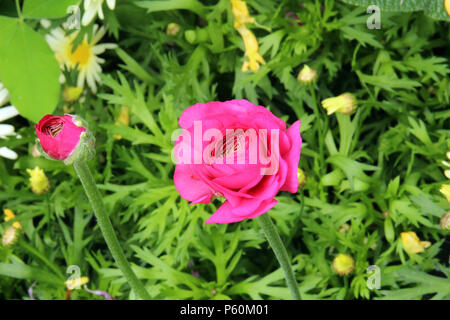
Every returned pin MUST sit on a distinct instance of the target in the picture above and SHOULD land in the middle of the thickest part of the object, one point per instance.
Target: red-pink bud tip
(59, 136)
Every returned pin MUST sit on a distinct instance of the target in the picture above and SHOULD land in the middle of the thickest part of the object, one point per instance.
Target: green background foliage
(378, 171)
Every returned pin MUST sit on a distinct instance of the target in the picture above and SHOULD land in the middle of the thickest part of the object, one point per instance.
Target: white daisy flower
(93, 8)
(6, 129)
(85, 56)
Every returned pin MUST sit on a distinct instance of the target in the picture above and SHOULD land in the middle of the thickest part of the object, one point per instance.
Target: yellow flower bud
(71, 94)
(240, 13)
(76, 283)
(10, 236)
(447, 6)
(445, 190)
(251, 50)
(445, 222)
(307, 75)
(9, 215)
(173, 29)
(412, 244)
(301, 176)
(343, 264)
(124, 118)
(345, 103)
(241, 17)
(39, 181)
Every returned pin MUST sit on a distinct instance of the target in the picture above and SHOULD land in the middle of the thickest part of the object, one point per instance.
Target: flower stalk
(279, 249)
(107, 229)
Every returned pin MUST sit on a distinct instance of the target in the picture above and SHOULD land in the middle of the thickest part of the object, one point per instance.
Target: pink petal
(225, 213)
(189, 186)
(293, 158)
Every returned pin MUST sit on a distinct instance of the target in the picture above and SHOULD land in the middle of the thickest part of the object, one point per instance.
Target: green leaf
(433, 8)
(28, 69)
(47, 8)
(154, 6)
(19, 270)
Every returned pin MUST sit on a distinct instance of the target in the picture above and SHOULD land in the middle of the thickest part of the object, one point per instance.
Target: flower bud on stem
(67, 138)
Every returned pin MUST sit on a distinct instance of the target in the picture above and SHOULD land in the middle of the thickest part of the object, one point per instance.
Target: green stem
(107, 229)
(19, 11)
(280, 252)
(320, 133)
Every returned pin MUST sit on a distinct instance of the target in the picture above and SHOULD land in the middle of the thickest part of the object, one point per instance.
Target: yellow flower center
(81, 55)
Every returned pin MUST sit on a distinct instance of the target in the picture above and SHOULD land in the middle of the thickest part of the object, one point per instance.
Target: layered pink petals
(226, 213)
(248, 186)
(59, 136)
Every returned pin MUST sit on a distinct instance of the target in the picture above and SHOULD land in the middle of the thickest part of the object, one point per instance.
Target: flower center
(81, 54)
(231, 143)
(52, 128)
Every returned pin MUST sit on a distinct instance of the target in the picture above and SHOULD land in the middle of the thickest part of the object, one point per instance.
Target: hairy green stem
(279, 249)
(107, 229)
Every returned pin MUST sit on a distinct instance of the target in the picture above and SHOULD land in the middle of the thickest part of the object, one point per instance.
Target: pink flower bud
(61, 136)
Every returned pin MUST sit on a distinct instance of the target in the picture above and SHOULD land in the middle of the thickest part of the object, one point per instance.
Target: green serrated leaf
(433, 8)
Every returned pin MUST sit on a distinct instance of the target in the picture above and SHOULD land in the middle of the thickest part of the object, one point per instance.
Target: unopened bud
(445, 222)
(10, 236)
(39, 181)
(173, 29)
(71, 94)
(301, 176)
(307, 75)
(343, 264)
(345, 103)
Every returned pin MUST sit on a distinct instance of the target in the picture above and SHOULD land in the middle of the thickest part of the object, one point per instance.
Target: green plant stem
(320, 133)
(279, 249)
(107, 229)
(19, 11)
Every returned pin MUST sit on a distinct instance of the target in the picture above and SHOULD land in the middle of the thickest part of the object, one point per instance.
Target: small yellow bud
(173, 29)
(76, 283)
(10, 236)
(71, 94)
(307, 75)
(9, 215)
(345, 103)
(445, 190)
(123, 118)
(344, 228)
(447, 6)
(445, 222)
(39, 181)
(301, 176)
(343, 264)
(412, 244)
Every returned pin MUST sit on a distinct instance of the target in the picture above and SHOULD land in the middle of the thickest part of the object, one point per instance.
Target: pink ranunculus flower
(239, 151)
(60, 136)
